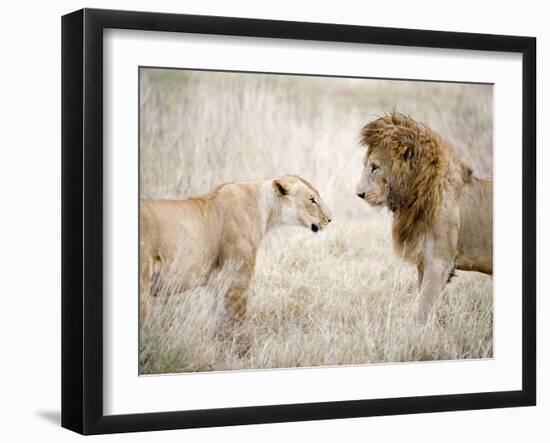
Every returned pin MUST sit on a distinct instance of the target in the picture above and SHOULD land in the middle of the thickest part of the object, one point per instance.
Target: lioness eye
(313, 200)
(374, 167)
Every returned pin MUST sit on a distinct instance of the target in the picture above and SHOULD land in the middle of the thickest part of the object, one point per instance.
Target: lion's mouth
(373, 200)
(318, 227)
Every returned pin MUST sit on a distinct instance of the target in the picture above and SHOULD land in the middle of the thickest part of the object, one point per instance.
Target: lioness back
(178, 238)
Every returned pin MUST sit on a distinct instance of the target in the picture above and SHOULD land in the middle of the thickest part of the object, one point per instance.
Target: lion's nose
(329, 220)
(361, 194)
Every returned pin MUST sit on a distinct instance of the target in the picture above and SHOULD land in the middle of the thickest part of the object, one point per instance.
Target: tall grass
(345, 298)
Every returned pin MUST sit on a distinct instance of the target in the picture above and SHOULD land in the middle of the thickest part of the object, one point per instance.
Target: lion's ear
(406, 151)
(280, 188)
(405, 142)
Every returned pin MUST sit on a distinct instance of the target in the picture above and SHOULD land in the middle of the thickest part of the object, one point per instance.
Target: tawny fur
(183, 241)
(442, 213)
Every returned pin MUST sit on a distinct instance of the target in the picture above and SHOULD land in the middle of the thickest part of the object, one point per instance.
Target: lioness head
(300, 203)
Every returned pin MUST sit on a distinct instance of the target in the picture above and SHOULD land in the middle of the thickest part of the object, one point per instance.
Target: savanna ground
(342, 297)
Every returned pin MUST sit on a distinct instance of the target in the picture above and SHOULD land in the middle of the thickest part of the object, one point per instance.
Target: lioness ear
(279, 187)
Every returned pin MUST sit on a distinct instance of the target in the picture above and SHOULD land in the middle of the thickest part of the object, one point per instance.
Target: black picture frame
(82, 220)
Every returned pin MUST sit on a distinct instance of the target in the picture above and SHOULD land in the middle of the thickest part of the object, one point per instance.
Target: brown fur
(441, 212)
(423, 169)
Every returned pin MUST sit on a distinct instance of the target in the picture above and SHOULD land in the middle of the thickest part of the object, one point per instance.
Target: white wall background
(30, 219)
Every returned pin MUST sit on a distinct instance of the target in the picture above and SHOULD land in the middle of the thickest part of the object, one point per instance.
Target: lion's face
(373, 185)
(301, 204)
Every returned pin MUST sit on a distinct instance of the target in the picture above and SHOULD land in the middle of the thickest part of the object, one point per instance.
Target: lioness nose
(329, 220)
(361, 195)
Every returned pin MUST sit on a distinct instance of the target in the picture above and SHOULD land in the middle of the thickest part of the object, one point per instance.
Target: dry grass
(341, 299)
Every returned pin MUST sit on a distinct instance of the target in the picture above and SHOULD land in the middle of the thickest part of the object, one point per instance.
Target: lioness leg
(236, 298)
(235, 304)
(144, 289)
(239, 264)
(241, 267)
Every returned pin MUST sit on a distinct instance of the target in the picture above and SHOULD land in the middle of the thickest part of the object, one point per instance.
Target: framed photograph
(269, 221)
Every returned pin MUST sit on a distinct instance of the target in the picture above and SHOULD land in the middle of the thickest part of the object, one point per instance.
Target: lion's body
(183, 241)
(443, 215)
(475, 239)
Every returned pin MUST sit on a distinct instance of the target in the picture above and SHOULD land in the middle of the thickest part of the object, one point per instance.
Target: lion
(442, 214)
(183, 241)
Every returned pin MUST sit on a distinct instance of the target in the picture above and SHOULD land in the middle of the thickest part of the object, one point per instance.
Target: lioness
(442, 214)
(183, 241)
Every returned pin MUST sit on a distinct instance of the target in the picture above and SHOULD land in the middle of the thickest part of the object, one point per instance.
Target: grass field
(340, 298)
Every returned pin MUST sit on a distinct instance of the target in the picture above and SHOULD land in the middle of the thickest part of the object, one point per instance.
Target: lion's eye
(312, 199)
(374, 167)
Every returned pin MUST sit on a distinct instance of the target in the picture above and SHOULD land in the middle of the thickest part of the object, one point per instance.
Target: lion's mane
(423, 169)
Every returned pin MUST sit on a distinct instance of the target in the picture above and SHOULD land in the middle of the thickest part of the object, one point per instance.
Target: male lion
(183, 241)
(442, 215)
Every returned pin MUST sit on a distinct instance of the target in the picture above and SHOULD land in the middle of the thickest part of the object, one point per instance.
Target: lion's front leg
(435, 277)
(436, 266)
